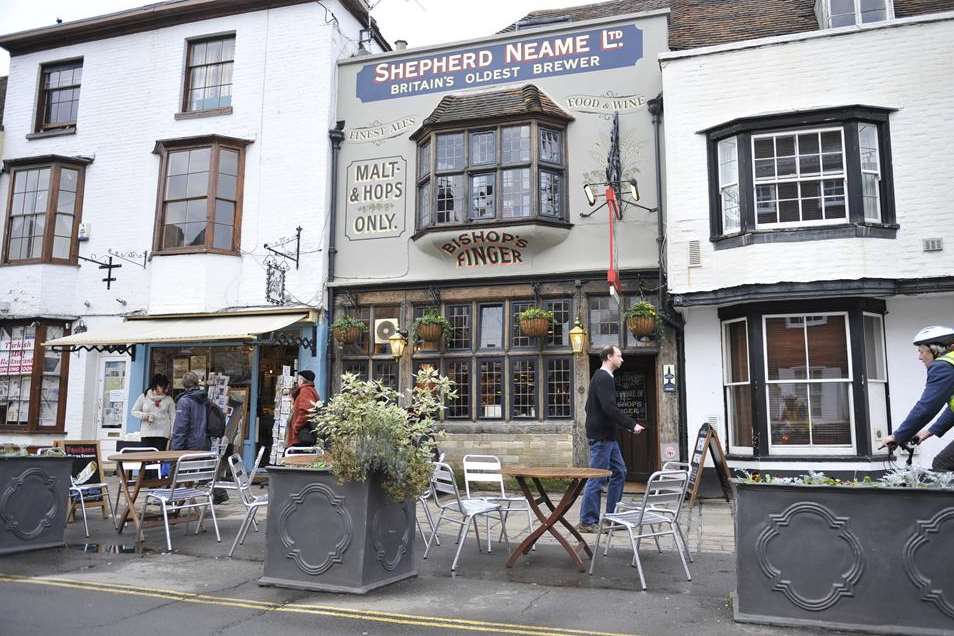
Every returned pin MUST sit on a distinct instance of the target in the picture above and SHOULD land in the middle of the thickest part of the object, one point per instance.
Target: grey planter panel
(34, 492)
(326, 536)
(873, 559)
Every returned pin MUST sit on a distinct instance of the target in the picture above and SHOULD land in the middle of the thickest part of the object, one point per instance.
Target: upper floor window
(840, 13)
(58, 102)
(821, 174)
(44, 211)
(208, 81)
(200, 195)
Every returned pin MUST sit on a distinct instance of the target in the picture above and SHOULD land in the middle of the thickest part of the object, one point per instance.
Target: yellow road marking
(317, 610)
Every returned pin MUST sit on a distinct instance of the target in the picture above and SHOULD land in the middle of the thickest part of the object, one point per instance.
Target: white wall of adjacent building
(903, 66)
(283, 101)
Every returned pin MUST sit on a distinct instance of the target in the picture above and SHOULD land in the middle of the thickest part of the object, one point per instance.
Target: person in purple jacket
(936, 351)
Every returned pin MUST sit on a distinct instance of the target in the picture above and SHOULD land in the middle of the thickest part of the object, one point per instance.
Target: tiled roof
(3, 98)
(694, 23)
(509, 102)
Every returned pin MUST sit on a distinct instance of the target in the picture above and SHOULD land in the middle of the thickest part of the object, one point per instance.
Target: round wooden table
(577, 478)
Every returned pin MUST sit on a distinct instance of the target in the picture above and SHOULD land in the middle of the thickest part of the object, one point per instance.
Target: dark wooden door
(636, 396)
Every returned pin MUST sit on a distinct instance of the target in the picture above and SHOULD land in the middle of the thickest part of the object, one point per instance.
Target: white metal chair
(665, 491)
(422, 499)
(133, 468)
(485, 469)
(193, 479)
(79, 487)
(232, 485)
(252, 502)
(466, 510)
(303, 450)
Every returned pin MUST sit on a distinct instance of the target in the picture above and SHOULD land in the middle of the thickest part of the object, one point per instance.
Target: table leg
(130, 497)
(547, 522)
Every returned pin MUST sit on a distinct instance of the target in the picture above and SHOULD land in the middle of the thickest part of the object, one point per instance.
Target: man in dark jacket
(604, 420)
(189, 431)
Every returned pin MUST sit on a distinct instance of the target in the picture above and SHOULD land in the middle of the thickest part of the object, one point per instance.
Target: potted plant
(858, 555)
(34, 500)
(432, 326)
(535, 321)
(348, 523)
(348, 329)
(641, 319)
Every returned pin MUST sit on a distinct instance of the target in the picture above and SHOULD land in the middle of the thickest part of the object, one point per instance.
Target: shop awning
(124, 336)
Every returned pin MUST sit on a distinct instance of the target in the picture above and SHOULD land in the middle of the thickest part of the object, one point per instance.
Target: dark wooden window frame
(184, 111)
(544, 374)
(55, 163)
(216, 143)
(856, 308)
(40, 127)
(511, 385)
(36, 383)
(848, 118)
(535, 165)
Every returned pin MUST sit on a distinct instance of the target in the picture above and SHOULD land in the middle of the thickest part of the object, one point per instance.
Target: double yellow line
(435, 622)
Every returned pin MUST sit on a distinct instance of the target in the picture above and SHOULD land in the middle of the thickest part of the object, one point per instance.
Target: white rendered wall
(906, 67)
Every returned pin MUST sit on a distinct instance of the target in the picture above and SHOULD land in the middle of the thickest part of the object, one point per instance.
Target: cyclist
(936, 351)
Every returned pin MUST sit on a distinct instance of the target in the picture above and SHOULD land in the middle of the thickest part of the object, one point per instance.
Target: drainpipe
(670, 316)
(336, 135)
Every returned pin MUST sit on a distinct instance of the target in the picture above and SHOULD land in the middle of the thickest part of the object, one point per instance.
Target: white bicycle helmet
(934, 334)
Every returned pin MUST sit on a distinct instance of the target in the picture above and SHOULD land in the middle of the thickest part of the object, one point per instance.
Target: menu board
(631, 395)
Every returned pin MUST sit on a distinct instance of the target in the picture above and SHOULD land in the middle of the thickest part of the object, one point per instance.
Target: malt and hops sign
(376, 199)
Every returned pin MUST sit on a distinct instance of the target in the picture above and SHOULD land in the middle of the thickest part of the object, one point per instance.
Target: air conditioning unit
(384, 329)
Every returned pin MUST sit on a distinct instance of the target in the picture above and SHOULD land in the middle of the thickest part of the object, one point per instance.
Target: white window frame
(880, 382)
(888, 14)
(876, 172)
(726, 184)
(798, 178)
(734, 448)
(809, 449)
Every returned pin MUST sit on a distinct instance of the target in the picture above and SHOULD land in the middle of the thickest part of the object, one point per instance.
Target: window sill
(496, 223)
(792, 235)
(30, 431)
(500, 426)
(806, 458)
(195, 251)
(38, 262)
(199, 114)
(52, 133)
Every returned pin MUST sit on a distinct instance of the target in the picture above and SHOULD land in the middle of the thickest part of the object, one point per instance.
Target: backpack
(215, 420)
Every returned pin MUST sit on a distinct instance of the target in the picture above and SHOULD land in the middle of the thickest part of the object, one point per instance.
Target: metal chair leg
(242, 530)
(79, 491)
(679, 549)
(596, 549)
(165, 520)
(462, 536)
(215, 523)
(639, 565)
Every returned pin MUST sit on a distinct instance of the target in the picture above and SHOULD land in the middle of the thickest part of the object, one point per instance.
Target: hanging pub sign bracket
(129, 349)
(612, 188)
(285, 241)
(109, 266)
(289, 340)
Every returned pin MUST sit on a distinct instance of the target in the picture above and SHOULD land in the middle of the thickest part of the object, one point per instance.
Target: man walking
(603, 420)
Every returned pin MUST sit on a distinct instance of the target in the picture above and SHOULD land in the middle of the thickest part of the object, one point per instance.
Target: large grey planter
(333, 537)
(34, 492)
(879, 560)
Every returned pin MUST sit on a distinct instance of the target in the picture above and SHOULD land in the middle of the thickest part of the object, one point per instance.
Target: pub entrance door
(636, 396)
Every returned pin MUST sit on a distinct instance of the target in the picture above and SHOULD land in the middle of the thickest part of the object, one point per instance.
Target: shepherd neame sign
(580, 52)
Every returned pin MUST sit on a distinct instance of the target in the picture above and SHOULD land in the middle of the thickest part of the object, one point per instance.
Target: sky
(420, 22)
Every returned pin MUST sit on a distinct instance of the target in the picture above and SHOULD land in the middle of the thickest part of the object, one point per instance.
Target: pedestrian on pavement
(604, 420)
(156, 411)
(304, 396)
(190, 429)
(936, 352)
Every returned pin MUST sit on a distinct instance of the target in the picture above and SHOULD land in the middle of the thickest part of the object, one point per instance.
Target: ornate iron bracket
(109, 266)
(289, 340)
(275, 280)
(614, 181)
(129, 350)
(284, 242)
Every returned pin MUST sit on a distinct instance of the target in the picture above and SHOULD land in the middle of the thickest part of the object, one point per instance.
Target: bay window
(32, 377)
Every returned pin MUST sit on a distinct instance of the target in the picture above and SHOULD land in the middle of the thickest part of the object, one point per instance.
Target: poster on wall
(16, 356)
(180, 366)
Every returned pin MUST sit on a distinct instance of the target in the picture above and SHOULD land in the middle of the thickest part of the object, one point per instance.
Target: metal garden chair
(190, 487)
(665, 491)
(448, 500)
(485, 469)
(243, 483)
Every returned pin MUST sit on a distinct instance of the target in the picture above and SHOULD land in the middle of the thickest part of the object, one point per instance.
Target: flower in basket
(432, 326)
(368, 434)
(641, 319)
(535, 321)
(348, 329)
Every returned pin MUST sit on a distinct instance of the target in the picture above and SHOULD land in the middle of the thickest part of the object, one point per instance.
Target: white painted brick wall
(283, 100)
(906, 67)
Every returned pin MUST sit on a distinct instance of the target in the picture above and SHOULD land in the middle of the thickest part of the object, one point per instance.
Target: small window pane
(357, 367)
(559, 384)
(483, 196)
(459, 316)
(450, 151)
(559, 335)
(827, 347)
(551, 146)
(517, 339)
(874, 349)
(483, 148)
(386, 372)
(424, 159)
(459, 372)
(424, 204)
(491, 327)
(604, 321)
(228, 162)
(785, 348)
(490, 388)
(736, 352)
(450, 199)
(788, 414)
(516, 193)
(224, 212)
(222, 239)
(523, 387)
(515, 144)
(551, 194)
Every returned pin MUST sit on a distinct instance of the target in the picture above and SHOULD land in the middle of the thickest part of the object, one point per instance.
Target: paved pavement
(104, 585)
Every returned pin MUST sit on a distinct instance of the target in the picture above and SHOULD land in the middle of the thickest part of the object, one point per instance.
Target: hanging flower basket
(641, 326)
(429, 332)
(534, 327)
(347, 335)
(348, 329)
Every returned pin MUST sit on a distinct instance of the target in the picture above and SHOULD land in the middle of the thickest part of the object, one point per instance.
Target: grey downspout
(336, 135)
(669, 315)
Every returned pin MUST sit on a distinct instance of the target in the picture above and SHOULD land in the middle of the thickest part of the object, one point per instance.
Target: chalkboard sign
(631, 395)
(708, 440)
(84, 451)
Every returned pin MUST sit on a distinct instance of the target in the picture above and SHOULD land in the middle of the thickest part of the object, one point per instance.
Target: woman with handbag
(304, 397)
